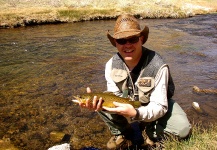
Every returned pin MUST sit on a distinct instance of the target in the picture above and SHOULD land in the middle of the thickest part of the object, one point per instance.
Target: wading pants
(174, 122)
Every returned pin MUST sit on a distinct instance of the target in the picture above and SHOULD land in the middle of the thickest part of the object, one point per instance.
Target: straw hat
(126, 26)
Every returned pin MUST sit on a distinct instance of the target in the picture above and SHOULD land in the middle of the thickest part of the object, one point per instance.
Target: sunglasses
(131, 40)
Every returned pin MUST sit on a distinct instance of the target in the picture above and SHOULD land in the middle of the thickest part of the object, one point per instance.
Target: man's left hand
(126, 110)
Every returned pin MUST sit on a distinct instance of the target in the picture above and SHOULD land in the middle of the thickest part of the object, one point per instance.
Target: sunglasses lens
(133, 40)
(130, 40)
(121, 41)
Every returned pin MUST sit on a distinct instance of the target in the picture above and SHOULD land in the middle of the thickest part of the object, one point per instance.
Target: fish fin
(108, 112)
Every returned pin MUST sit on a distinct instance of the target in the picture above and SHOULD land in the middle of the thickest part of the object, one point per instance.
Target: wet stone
(56, 136)
(6, 144)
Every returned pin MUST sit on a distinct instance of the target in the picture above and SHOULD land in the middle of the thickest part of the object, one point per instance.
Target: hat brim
(143, 33)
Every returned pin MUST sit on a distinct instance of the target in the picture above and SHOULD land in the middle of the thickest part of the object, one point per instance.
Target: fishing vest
(144, 84)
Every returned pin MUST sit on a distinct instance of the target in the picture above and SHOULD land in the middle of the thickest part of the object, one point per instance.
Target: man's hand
(94, 104)
(126, 110)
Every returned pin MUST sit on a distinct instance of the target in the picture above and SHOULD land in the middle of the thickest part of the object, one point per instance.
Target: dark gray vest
(145, 82)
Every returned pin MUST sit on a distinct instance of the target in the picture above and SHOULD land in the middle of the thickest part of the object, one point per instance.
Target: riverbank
(14, 13)
(199, 133)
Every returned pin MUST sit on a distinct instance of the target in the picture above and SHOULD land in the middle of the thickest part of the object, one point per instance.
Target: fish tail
(136, 104)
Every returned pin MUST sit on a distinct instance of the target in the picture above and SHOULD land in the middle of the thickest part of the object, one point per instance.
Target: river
(42, 67)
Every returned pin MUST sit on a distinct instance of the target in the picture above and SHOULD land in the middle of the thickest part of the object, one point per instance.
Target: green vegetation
(83, 14)
(201, 139)
(15, 13)
(72, 14)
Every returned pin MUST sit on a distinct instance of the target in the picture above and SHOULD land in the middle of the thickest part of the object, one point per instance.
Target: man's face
(130, 48)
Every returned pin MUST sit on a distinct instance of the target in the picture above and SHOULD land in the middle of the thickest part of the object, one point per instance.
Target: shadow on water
(42, 67)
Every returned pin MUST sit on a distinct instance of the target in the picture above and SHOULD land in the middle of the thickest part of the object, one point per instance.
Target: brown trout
(108, 99)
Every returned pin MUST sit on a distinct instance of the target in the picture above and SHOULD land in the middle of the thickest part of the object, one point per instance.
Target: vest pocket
(145, 86)
(118, 75)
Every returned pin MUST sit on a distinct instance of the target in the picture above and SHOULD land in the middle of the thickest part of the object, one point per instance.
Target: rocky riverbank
(14, 13)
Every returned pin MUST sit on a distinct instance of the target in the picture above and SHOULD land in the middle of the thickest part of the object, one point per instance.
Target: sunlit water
(42, 67)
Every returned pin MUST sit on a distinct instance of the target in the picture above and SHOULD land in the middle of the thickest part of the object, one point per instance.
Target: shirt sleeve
(158, 105)
(111, 86)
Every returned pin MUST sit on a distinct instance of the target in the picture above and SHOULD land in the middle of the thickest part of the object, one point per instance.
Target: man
(140, 74)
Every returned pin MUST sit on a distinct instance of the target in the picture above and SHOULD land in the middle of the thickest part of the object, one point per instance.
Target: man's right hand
(94, 104)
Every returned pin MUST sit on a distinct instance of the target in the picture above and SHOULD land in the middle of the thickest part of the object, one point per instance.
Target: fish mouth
(77, 99)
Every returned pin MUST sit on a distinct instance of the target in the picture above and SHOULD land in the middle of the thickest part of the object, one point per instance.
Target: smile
(128, 51)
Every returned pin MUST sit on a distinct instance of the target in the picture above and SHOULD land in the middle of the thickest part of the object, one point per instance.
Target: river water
(42, 67)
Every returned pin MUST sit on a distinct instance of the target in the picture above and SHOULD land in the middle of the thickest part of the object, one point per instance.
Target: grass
(83, 14)
(14, 13)
(202, 138)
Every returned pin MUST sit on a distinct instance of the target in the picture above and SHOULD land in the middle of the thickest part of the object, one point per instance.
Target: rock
(205, 91)
(196, 106)
(6, 144)
(56, 136)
